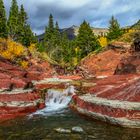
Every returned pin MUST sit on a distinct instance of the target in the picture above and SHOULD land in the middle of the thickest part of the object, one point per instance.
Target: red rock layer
(102, 64)
(114, 99)
(14, 99)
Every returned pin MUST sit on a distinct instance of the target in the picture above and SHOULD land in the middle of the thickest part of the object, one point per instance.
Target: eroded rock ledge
(116, 97)
(18, 95)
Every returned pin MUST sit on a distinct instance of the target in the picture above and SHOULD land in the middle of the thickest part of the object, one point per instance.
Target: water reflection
(40, 127)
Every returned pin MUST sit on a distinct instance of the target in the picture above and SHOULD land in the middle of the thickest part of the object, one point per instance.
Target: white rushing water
(56, 101)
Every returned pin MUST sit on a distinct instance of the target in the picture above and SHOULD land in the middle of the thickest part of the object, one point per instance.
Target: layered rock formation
(103, 64)
(17, 94)
(118, 58)
(114, 99)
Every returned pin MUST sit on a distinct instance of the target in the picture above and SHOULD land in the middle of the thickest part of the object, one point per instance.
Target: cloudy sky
(73, 12)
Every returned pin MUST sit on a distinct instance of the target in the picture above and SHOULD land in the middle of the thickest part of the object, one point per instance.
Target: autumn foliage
(10, 50)
(103, 41)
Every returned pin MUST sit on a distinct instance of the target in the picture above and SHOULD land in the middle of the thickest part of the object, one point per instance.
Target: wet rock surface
(62, 130)
(77, 129)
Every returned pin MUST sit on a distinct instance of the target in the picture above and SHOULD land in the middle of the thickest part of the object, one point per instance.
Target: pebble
(77, 129)
(62, 130)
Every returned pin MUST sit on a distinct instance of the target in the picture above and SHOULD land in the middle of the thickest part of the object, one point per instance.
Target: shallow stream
(41, 125)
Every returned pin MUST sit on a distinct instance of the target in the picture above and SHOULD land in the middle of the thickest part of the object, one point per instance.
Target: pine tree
(56, 26)
(25, 34)
(13, 20)
(28, 37)
(56, 37)
(51, 24)
(86, 40)
(22, 16)
(3, 24)
(49, 30)
(114, 29)
(47, 34)
(52, 35)
(22, 22)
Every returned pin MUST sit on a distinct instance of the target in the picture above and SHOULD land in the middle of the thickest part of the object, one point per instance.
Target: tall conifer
(51, 24)
(3, 24)
(13, 20)
(86, 40)
(114, 29)
(25, 34)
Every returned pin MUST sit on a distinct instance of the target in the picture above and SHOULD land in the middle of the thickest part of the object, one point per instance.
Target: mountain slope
(136, 26)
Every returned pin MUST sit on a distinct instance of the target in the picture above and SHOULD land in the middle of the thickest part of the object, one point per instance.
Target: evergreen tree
(51, 24)
(56, 37)
(22, 16)
(52, 34)
(3, 24)
(47, 36)
(57, 26)
(25, 34)
(28, 37)
(86, 40)
(49, 30)
(13, 20)
(22, 22)
(114, 29)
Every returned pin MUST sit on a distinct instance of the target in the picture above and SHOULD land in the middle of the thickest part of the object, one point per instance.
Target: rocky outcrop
(23, 91)
(114, 99)
(18, 95)
(102, 64)
(19, 103)
(131, 63)
(119, 58)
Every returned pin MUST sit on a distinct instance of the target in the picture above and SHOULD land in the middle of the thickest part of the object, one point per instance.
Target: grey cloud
(69, 12)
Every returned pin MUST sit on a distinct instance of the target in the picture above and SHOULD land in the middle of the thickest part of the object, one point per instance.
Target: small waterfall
(56, 101)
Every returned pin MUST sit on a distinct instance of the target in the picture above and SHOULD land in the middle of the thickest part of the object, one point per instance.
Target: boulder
(129, 65)
(77, 129)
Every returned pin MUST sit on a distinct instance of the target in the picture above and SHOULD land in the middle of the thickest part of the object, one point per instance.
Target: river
(41, 125)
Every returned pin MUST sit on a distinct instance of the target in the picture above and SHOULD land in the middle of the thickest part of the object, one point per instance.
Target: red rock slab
(123, 114)
(14, 83)
(109, 110)
(5, 83)
(112, 82)
(4, 76)
(18, 83)
(8, 66)
(17, 73)
(34, 75)
(19, 97)
(71, 77)
(7, 113)
(49, 86)
(117, 79)
(127, 90)
(102, 64)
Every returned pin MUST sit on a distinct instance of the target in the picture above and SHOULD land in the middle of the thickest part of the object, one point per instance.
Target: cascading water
(56, 101)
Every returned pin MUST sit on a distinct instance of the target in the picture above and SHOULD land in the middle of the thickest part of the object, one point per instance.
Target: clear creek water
(41, 125)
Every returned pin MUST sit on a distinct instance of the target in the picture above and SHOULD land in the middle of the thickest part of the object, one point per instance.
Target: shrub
(24, 64)
(103, 41)
(11, 50)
